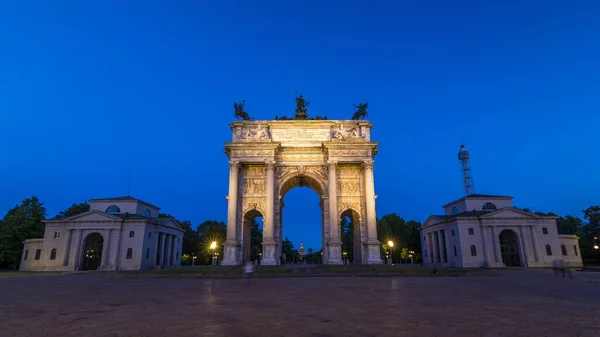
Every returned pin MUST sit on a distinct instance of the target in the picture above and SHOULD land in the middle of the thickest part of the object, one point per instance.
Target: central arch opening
(92, 251)
(301, 233)
(509, 248)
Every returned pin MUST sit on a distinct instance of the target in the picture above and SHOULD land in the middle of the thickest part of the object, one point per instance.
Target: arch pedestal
(334, 158)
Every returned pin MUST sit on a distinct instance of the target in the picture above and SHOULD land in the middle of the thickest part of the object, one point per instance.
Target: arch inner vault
(332, 157)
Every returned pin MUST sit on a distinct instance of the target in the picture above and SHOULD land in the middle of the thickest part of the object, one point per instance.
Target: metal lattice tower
(463, 157)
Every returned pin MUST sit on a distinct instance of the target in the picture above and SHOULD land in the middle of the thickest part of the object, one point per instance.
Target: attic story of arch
(333, 157)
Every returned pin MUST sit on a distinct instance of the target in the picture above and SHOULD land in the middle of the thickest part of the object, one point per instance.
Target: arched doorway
(252, 225)
(350, 233)
(313, 243)
(92, 251)
(509, 248)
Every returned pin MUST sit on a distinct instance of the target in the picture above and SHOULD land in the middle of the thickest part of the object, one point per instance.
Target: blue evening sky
(90, 90)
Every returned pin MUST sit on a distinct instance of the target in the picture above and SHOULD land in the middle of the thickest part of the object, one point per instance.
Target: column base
(334, 249)
(268, 256)
(374, 251)
(230, 254)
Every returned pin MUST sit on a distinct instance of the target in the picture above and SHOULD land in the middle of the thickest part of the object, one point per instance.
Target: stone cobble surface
(510, 303)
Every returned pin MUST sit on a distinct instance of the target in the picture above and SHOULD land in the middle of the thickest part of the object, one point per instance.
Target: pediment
(432, 220)
(509, 213)
(93, 216)
(170, 222)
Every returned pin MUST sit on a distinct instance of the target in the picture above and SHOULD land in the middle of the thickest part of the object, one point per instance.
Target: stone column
(334, 245)
(438, 248)
(78, 244)
(230, 251)
(372, 241)
(156, 249)
(105, 262)
(68, 248)
(495, 245)
(168, 249)
(486, 256)
(161, 249)
(523, 247)
(535, 246)
(431, 253)
(268, 246)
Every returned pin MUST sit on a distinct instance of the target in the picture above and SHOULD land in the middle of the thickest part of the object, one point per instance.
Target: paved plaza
(515, 303)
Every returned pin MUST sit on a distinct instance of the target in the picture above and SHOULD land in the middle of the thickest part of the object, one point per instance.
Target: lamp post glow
(391, 244)
(213, 246)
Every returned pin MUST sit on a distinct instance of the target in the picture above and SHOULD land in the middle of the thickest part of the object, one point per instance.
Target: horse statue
(239, 111)
(361, 112)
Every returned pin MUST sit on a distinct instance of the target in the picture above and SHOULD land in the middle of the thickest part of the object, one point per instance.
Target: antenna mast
(463, 157)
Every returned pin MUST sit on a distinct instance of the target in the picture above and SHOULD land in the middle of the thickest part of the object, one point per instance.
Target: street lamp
(391, 244)
(193, 260)
(213, 246)
(411, 256)
(345, 257)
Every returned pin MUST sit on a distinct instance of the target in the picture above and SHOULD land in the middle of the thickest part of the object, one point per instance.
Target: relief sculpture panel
(348, 187)
(254, 186)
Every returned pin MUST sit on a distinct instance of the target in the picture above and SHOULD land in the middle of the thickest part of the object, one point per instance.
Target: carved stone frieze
(254, 186)
(253, 134)
(348, 187)
(341, 134)
(251, 153)
(349, 170)
(350, 152)
(257, 203)
(345, 202)
(256, 171)
(318, 170)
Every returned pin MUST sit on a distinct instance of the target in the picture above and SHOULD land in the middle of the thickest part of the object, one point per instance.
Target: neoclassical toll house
(333, 157)
(121, 233)
(485, 230)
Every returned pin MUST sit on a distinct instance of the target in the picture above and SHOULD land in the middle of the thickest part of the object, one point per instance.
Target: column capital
(270, 163)
(367, 164)
(234, 164)
(332, 163)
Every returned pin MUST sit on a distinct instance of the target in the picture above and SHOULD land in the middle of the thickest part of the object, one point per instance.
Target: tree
(589, 230)
(210, 231)
(74, 210)
(347, 237)
(287, 246)
(404, 234)
(190, 238)
(21, 223)
(569, 225)
(405, 254)
(256, 238)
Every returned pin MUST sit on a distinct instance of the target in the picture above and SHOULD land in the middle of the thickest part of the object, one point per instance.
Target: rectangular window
(27, 253)
(545, 230)
(131, 234)
(471, 231)
(38, 252)
(453, 232)
(574, 249)
(454, 250)
(564, 249)
(149, 235)
(56, 235)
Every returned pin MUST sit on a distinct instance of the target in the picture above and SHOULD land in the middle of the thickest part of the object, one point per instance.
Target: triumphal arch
(270, 157)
